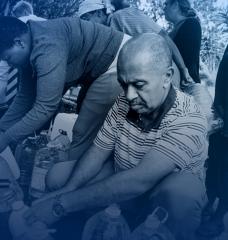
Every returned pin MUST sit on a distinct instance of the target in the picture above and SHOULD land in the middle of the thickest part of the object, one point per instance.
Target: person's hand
(41, 211)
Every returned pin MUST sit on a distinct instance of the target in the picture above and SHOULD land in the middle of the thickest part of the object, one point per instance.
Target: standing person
(217, 172)
(54, 54)
(131, 21)
(186, 33)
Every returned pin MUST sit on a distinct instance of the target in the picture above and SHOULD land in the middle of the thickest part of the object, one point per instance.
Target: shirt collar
(153, 120)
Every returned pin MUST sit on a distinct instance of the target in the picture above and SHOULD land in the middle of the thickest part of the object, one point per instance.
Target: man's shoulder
(187, 109)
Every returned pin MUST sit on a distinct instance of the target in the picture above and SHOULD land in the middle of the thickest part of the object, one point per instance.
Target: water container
(55, 152)
(64, 121)
(9, 157)
(9, 192)
(43, 161)
(25, 156)
(153, 228)
(106, 225)
(20, 230)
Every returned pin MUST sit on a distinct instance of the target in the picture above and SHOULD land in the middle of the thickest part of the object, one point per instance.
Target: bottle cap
(113, 211)
(18, 205)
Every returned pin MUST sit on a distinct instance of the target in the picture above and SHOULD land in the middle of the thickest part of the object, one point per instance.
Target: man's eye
(139, 85)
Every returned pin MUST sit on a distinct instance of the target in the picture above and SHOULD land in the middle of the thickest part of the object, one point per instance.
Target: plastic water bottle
(9, 192)
(55, 151)
(106, 225)
(20, 230)
(25, 156)
(43, 162)
(153, 228)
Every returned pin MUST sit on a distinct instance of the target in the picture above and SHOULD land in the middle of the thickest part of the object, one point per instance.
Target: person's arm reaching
(50, 67)
(121, 186)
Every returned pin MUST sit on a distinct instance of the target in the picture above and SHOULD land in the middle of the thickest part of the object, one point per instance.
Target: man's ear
(18, 42)
(168, 77)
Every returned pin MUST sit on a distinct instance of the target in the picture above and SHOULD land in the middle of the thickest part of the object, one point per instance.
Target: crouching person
(158, 137)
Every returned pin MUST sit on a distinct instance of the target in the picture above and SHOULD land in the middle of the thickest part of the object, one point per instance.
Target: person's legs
(213, 168)
(98, 101)
(183, 195)
(217, 179)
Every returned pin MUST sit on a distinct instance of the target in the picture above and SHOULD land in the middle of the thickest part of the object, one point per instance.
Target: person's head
(15, 46)
(145, 72)
(176, 8)
(93, 10)
(21, 9)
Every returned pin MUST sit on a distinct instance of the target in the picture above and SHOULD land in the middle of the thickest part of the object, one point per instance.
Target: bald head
(146, 50)
(145, 72)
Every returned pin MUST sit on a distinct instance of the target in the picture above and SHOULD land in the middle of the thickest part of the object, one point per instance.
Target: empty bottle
(153, 228)
(106, 225)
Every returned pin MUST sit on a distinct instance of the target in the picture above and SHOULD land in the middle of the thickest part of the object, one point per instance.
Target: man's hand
(41, 211)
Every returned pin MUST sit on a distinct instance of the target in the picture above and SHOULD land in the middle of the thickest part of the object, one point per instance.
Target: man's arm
(122, 186)
(50, 67)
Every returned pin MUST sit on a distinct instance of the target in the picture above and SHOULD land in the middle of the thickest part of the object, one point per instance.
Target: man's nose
(131, 94)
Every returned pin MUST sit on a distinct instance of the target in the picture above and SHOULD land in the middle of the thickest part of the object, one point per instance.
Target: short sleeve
(106, 137)
(185, 142)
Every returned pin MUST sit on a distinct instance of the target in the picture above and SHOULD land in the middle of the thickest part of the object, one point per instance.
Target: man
(158, 136)
(52, 55)
(133, 22)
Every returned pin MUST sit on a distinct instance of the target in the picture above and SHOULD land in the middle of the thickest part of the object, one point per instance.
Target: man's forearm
(88, 167)
(120, 187)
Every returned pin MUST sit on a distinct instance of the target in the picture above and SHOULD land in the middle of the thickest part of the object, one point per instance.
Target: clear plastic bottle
(43, 162)
(9, 192)
(56, 151)
(19, 228)
(153, 228)
(106, 225)
(25, 156)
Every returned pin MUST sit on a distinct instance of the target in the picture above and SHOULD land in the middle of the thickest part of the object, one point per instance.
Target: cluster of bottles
(36, 156)
(111, 225)
(12, 210)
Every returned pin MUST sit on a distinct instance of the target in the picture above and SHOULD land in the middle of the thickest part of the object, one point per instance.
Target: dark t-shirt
(187, 37)
(221, 90)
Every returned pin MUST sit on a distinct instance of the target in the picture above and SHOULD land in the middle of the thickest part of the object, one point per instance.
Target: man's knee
(183, 196)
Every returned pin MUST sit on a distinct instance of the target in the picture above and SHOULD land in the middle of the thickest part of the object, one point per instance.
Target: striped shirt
(8, 83)
(181, 136)
(133, 22)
